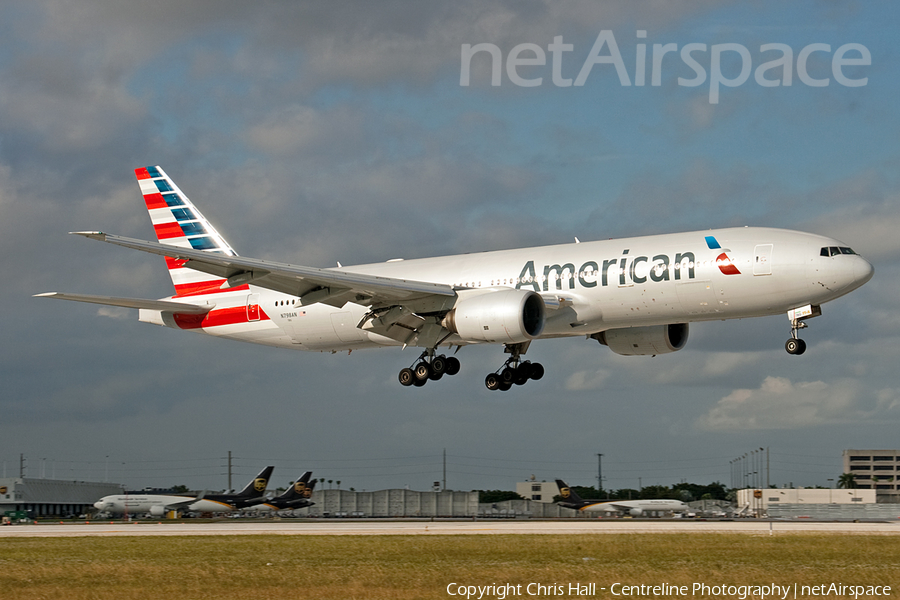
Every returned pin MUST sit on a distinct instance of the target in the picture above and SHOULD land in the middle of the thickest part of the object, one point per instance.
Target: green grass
(405, 567)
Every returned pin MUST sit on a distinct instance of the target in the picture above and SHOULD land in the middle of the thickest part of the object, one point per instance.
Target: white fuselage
(137, 504)
(589, 287)
(637, 505)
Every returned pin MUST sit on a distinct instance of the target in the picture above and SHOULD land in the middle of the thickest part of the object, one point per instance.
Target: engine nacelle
(644, 341)
(158, 510)
(635, 512)
(508, 316)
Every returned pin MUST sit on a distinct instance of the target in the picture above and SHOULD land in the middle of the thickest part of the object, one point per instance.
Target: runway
(449, 527)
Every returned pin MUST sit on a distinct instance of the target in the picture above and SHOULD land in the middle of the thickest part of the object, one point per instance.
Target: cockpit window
(834, 251)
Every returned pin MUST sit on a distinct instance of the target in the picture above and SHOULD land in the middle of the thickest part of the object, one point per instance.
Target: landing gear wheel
(508, 375)
(795, 346)
(492, 381)
(453, 365)
(504, 387)
(523, 371)
(439, 365)
(419, 382)
(423, 371)
(407, 377)
(537, 371)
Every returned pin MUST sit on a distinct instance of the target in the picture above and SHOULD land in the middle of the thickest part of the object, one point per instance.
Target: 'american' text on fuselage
(637, 270)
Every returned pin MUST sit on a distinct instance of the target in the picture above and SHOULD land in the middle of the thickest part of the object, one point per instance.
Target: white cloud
(304, 130)
(582, 381)
(700, 367)
(781, 404)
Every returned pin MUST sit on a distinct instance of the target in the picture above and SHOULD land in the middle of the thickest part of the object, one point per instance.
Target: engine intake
(507, 316)
(645, 341)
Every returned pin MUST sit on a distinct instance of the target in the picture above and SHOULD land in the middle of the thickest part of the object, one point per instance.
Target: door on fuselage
(253, 307)
(762, 259)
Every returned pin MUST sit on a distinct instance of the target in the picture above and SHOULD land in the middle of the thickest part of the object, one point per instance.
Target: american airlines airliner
(636, 296)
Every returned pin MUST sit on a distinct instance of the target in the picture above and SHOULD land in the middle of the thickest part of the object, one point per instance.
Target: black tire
(508, 375)
(523, 372)
(439, 365)
(419, 382)
(795, 346)
(453, 365)
(423, 371)
(505, 387)
(492, 381)
(537, 371)
(407, 377)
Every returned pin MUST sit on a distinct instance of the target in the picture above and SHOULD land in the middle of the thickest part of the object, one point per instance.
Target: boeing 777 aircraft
(635, 295)
(160, 504)
(635, 508)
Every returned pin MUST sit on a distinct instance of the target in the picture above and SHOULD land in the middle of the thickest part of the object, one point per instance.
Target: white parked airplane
(634, 295)
(159, 504)
(635, 508)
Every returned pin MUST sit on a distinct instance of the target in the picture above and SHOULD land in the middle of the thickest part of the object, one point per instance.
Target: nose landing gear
(795, 345)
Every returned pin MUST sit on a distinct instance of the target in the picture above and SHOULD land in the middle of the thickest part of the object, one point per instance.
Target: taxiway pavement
(449, 527)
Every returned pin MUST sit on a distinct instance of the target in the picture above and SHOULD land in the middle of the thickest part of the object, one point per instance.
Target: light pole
(744, 468)
(600, 473)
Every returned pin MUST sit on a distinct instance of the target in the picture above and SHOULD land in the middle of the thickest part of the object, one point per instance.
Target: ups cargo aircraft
(296, 496)
(160, 504)
(635, 295)
(635, 508)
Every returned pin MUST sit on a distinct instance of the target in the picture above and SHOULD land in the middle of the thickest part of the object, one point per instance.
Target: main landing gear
(429, 366)
(513, 371)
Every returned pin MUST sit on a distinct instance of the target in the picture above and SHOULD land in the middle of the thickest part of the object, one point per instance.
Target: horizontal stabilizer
(161, 305)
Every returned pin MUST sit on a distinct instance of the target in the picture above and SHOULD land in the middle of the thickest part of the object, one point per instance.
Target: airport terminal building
(52, 497)
(875, 470)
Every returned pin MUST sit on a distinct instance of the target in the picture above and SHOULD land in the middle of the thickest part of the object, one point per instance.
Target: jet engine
(644, 341)
(507, 316)
(158, 510)
(635, 512)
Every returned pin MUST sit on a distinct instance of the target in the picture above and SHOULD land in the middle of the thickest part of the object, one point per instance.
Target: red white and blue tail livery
(635, 295)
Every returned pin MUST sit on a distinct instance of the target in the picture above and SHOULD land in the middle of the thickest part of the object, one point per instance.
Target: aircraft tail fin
(257, 487)
(300, 489)
(567, 493)
(177, 222)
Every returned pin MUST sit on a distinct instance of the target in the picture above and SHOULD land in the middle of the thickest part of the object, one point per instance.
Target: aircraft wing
(311, 285)
(162, 305)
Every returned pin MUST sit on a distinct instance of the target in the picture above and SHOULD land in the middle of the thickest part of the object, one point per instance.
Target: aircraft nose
(862, 271)
(98, 504)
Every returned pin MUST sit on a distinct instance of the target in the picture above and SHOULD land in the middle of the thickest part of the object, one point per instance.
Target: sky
(318, 133)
